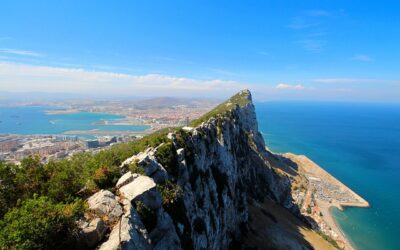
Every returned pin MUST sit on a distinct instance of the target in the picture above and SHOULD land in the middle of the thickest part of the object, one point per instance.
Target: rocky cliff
(193, 190)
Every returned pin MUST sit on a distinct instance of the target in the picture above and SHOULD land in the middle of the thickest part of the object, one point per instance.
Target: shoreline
(315, 177)
(106, 132)
(340, 230)
(121, 120)
(62, 111)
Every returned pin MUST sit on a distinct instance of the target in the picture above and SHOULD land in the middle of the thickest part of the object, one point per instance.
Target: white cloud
(351, 80)
(362, 58)
(354, 80)
(311, 45)
(288, 86)
(20, 52)
(263, 53)
(318, 13)
(300, 23)
(24, 77)
(338, 80)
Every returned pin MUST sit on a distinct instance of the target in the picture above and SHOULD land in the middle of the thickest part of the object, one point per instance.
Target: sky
(281, 50)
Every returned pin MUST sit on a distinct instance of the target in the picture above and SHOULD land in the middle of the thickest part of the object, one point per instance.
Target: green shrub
(148, 216)
(39, 223)
(106, 177)
(8, 199)
(181, 137)
(166, 156)
(170, 192)
(28, 222)
(135, 168)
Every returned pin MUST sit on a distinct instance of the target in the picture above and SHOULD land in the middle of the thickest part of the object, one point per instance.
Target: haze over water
(357, 143)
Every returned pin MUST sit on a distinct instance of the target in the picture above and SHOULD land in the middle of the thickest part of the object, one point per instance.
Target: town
(155, 113)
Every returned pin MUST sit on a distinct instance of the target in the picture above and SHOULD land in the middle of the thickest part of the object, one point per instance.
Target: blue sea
(34, 120)
(357, 143)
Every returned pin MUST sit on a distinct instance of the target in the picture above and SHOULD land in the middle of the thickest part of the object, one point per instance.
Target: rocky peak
(193, 191)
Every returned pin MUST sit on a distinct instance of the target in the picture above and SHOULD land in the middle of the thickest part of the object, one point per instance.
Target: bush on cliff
(40, 223)
(106, 176)
(166, 156)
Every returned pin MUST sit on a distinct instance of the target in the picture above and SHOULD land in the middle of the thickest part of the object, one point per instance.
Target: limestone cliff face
(221, 169)
(220, 166)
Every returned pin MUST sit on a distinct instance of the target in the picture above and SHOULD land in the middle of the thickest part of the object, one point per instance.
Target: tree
(7, 186)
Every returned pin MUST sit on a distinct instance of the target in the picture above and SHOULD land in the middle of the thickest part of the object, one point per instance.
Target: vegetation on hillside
(40, 223)
(43, 195)
(240, 99)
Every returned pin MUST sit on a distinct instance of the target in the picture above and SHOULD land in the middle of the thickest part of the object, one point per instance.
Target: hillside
(202, 187)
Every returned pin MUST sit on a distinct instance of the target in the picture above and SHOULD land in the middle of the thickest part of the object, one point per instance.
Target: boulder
(92, 233)
(142, 188)
(148, 162)
(129, 233)
(104, 205)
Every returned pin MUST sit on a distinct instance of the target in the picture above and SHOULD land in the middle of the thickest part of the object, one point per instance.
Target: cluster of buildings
(327, 191)
(14, 148)
(313, 193)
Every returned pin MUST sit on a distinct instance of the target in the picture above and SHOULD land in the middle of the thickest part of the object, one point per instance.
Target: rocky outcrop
(218, 167)
(92, 232)
(146, 160)
(104, 205)
(129, 233)
(142, 189)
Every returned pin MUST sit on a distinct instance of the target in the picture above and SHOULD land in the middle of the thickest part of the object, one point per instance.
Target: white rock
(125, 179)
(142, 188)
(127, 161)
(104, 204)
(93, 233)
(138, 186)
(187, 129)
(129, 233)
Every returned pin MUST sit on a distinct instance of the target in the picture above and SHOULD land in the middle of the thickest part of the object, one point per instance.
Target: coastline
(312, 175)
(108, 132)
(62, 111)
(123, 120)
(335, 225)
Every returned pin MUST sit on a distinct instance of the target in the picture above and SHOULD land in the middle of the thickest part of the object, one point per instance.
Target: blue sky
(282, 50)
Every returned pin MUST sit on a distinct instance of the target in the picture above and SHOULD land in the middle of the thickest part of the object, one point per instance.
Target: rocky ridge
(192, 191)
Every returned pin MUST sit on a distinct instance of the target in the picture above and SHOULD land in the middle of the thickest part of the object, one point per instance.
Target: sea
(358, 143)
(27, 120)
